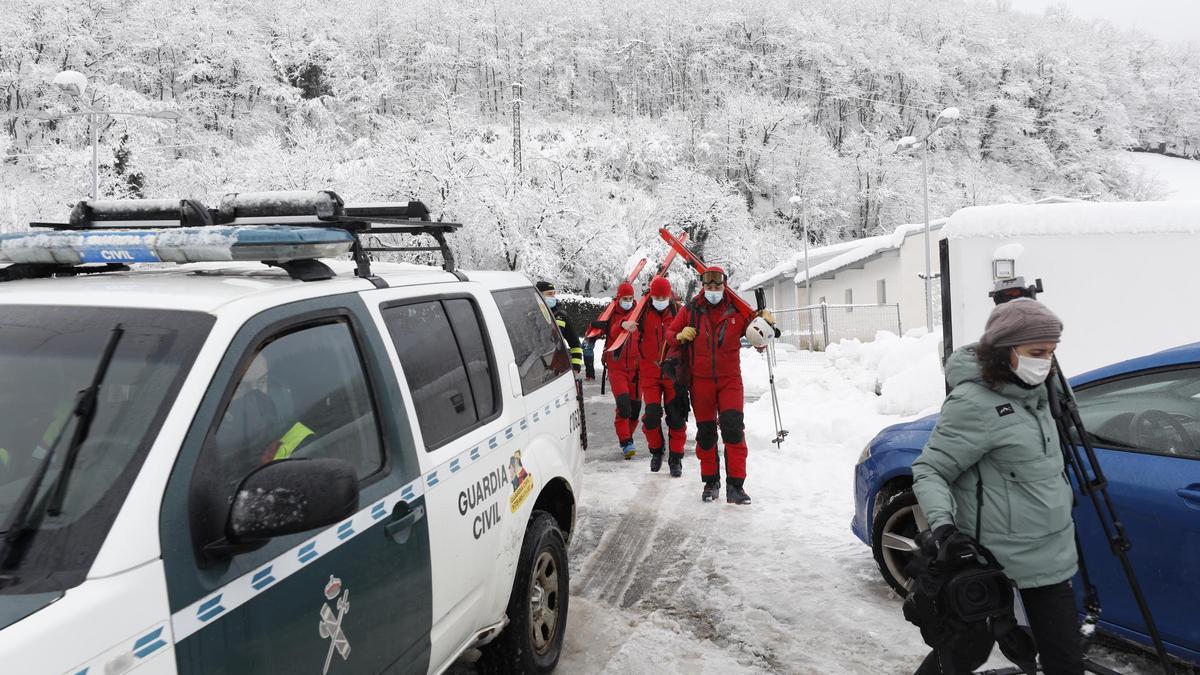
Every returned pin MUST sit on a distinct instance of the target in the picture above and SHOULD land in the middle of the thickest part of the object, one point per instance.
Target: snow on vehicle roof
(1077, 218)
(205, 287)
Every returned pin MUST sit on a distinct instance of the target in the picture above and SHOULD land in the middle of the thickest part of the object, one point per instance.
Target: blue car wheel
(893, 539)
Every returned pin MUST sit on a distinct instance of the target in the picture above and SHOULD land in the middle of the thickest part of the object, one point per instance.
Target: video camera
(1013, 288)
(960, 592)
(963, 581)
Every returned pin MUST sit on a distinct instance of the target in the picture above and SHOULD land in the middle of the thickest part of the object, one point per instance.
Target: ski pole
(760, 298)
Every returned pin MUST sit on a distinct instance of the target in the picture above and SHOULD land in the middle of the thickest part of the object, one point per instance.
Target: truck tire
(537, 608)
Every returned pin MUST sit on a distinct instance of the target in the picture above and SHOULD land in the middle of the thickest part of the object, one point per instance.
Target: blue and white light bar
(278, 243)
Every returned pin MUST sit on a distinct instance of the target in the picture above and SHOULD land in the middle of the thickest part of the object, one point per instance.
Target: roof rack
(281, 229)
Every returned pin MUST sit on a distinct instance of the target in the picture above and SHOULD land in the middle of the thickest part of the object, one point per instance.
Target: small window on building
(881, 291)
(849, 300)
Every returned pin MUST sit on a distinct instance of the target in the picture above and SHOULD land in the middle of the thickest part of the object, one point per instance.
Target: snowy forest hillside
(705, 114)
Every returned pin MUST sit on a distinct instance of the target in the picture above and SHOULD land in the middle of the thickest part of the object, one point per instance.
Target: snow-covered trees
(706, 115)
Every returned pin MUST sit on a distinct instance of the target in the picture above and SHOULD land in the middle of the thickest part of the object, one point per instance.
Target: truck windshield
(47, 355)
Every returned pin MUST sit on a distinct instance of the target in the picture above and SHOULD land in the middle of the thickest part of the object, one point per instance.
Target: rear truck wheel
(537, 608)
(893, 539)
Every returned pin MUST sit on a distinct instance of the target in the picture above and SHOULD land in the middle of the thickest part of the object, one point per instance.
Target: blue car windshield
(47, 355)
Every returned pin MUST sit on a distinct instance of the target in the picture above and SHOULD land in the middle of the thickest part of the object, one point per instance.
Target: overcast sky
(1172, 20)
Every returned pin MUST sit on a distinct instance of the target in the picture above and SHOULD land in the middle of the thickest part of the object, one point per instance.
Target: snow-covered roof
(868, 248)
(1079, 218)
(816, 256)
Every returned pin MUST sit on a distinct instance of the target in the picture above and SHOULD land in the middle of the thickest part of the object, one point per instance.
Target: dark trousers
(1054, 622)
(589, 362)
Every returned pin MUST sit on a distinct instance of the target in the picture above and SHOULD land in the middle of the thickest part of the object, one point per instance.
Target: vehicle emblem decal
(522, 482)
(331, 624)
(333, 588)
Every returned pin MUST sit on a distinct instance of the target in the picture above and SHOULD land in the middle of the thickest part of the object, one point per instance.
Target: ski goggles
(712, 278)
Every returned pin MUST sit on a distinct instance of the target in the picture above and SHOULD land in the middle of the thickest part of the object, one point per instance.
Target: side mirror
(290, 496)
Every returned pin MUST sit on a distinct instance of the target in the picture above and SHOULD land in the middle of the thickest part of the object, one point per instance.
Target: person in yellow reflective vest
(58, 419)
(575, 349)
(252, 420)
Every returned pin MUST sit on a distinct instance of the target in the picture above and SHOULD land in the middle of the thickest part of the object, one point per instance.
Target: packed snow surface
(662, 583)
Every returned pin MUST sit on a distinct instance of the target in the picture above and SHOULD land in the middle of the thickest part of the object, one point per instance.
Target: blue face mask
(551, 302)
(660, 305)
(714, 297)
(626, 304)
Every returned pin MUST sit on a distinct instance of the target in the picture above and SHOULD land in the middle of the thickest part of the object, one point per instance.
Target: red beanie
(624, 289)
(660, 287)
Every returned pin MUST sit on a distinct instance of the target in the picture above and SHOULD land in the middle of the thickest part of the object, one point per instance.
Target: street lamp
(797, 199)
(74, 84)
(945, 118)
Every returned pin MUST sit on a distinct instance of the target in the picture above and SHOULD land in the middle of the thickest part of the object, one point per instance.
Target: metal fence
(817, 326)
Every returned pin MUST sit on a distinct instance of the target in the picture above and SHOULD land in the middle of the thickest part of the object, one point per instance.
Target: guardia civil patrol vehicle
(277, 454)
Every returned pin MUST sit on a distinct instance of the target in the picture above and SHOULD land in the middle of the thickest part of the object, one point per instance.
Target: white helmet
(759, 331)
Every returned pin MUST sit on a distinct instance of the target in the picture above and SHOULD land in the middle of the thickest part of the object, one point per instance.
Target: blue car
(1143, 416)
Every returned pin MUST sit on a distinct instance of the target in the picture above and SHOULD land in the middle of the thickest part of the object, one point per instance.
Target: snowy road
(663, 583)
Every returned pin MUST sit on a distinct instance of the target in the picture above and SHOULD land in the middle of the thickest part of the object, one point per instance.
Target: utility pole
(516, 126)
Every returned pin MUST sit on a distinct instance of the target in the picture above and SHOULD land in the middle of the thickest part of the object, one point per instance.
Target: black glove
(670, 368)
(932, 541)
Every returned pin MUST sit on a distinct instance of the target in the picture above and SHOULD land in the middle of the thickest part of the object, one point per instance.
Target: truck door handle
(400, 527)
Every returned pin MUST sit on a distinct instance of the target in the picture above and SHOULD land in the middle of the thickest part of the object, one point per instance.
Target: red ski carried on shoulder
(594, 332)
(697, 264)
(640, 307)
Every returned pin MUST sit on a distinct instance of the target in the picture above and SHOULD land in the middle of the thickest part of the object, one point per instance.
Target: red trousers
(661, 396)
(717, 404)
(624, 385)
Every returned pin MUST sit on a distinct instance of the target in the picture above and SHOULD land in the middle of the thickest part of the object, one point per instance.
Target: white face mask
(660, 305)
(714, 296)
(1032, 371)
(626, 304)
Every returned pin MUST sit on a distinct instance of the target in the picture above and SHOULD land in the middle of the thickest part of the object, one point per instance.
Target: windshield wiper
(24, 517)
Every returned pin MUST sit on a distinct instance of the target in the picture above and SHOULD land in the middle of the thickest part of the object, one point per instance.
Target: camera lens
(976, 593)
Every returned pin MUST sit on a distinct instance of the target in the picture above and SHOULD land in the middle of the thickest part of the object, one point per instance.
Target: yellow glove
(766, 314)
(686, 335)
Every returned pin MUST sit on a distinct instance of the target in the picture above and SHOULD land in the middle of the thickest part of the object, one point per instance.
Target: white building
(1121, 275)
(885, 270)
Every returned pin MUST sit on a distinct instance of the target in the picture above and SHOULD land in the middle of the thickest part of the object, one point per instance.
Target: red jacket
(626, 358)
(716, 351)
(652, 337)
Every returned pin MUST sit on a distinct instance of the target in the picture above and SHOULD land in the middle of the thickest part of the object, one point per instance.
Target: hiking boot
(676, 466)
(712, 490)
(655, 461)
(734, 494)
(627, 449)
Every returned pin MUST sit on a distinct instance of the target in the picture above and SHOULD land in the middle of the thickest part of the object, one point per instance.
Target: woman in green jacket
(996, 435)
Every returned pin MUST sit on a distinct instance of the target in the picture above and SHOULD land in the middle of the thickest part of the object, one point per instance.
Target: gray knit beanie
(1020, 322)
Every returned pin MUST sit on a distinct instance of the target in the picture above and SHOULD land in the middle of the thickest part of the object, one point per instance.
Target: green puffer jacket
(1005, 437)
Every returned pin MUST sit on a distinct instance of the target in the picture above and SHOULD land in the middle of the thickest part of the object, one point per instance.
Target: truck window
(303, 394)
(538, 347)
(446, 363)
(47, 354)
